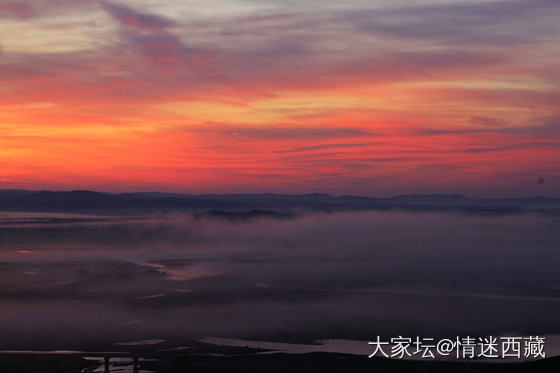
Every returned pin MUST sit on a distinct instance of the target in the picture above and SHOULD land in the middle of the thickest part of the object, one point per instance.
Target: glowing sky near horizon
(352, 97)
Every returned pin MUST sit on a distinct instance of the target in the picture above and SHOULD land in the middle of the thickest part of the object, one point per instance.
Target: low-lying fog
(70, 281)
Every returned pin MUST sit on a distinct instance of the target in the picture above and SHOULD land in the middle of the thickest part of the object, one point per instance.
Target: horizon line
(449, 194)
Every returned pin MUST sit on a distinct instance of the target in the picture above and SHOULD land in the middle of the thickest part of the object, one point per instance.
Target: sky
(344, 97)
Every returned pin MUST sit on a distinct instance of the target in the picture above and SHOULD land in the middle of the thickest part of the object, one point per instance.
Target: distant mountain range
(88, 201)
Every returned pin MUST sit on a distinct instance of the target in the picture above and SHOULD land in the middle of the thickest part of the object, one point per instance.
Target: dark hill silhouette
(83, 200)
(89, 201)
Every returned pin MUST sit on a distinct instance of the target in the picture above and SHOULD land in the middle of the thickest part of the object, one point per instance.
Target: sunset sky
(346, 97)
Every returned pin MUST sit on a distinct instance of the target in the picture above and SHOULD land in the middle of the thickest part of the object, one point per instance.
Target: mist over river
(70, 281)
